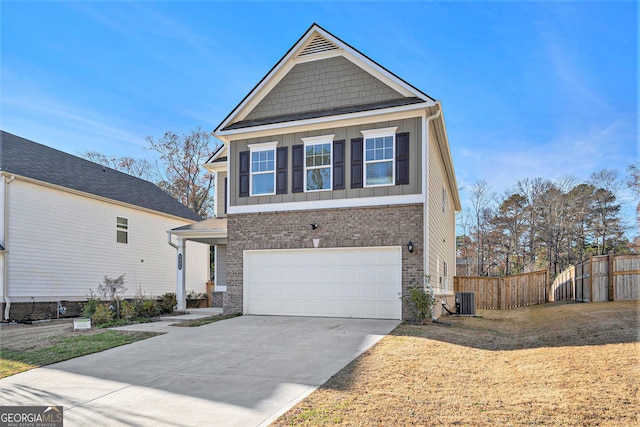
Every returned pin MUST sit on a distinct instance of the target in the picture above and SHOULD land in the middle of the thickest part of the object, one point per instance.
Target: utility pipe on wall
(425, 189)
(5, 256)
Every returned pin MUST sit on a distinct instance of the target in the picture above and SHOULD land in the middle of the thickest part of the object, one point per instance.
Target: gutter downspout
(170, 242)
(425, 180)
(5, 256)
(180, 274)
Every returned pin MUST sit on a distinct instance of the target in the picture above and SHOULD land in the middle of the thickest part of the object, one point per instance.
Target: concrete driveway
(244, 371)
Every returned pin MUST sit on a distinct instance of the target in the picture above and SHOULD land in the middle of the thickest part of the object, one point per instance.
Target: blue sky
(528, 89)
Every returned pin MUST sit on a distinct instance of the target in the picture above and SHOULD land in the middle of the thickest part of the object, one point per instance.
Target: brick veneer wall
(349, 227)
(42, 310)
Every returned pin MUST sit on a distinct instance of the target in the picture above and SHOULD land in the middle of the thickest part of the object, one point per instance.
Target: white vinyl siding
(62, 244)
(441, 225)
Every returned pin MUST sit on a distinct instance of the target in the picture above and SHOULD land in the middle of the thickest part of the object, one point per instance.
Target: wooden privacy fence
(505, 292)
(599, 278)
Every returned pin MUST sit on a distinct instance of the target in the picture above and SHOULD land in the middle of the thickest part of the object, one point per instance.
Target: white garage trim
(363, 282)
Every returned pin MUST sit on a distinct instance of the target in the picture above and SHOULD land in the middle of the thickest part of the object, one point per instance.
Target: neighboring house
(340, 189)
(67, 222)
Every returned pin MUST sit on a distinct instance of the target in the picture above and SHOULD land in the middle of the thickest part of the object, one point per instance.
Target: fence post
(591, 277)
(611, 281)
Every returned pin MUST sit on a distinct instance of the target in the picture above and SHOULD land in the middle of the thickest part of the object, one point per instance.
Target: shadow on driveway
(243, 371)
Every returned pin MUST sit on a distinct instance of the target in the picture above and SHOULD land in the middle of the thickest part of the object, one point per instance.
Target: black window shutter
(402, 158)
(297, 168)
(338, 165)
(281, 170)
(243, 181)
(225, 195)
(356, 163)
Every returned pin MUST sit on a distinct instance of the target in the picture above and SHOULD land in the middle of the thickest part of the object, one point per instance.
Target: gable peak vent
(318, 44)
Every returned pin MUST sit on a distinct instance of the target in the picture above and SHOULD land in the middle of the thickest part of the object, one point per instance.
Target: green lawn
(64, 348)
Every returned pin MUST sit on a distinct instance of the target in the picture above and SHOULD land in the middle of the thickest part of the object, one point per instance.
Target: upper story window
(263, 176)
(122, 230)
(318, 162)
(379, 157)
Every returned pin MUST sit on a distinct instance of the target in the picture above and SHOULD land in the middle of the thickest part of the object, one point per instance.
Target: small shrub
(90, 306)
(103, 314)
(167, 303)
(122, 309)
(127, 310)
(146, 308)
(419, 302)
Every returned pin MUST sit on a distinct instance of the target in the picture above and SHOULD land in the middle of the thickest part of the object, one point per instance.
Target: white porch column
(181, 293)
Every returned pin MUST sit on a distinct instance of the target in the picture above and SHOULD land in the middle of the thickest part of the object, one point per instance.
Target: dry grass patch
(554, 364)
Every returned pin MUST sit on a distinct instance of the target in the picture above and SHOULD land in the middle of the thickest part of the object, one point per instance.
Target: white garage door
(331, 282)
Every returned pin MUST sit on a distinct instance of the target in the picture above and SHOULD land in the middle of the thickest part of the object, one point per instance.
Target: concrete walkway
(244, 371)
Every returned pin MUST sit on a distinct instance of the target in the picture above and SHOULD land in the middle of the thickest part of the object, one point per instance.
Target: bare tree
(183, 156)
(542, 223)
(481, 199)
(605, 206)
(141, 168)
(464, 243)
(509, 222)
(633, 182)
(580, 199)
(532, 190)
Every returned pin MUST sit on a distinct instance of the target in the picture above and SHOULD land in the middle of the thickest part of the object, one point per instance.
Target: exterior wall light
(410, 246)
(314, 226)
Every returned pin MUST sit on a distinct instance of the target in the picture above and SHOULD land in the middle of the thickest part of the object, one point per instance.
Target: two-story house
(340, 191)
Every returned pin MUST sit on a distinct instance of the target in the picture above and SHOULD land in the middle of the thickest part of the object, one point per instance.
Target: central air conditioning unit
(466, 303)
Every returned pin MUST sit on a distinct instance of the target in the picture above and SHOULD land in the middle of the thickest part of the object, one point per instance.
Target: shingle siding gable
(36, 161)
(320, 85)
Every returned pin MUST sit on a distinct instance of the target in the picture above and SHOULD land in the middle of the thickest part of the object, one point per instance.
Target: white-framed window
(379, 157)
(263, 170)
(122, 230)
(318, 160)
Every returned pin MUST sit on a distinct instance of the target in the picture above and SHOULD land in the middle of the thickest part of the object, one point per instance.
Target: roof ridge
(23, 157)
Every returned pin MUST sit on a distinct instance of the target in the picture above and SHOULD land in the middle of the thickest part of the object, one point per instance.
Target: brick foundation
(337, 228)
(21, 311)
(216, 299)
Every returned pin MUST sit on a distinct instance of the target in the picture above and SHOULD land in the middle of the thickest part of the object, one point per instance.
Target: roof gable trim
(323, 44)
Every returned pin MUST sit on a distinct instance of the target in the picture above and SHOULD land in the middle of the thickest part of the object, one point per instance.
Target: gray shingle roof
(36, 161)
(324, 113)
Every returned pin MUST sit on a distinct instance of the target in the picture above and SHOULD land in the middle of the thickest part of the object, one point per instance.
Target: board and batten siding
(62, 245)
(441, 224)
(220, 198)
(411, 125)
